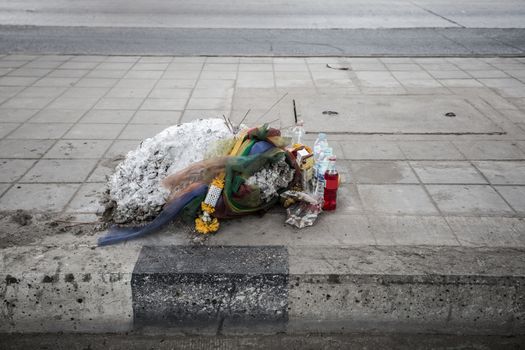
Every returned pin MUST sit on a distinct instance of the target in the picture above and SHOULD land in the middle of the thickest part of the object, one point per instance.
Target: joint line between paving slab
(117, 137)
(428, 71)
(235, 87)
(48, 104)
(197, 80)
(431, 199)
(497, 90)
(64, 210)
(355, 81)
(489, 183)
(502, 115)
(366, 215)
(405, 91)
(25, 88)
(495, 122)
(316, 89)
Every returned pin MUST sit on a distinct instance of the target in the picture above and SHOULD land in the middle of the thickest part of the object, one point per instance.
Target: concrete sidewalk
(432, 206)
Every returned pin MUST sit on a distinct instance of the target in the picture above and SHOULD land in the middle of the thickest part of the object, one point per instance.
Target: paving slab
(514, 195)
(12, 169)
(40, 131)
(6, 128)
(94, 131)
(468, 200)
(103, 170)
(412, 230)
(497, 150)
(107, 116)
(16, 115)
(486, 231)
(78, 149)
(43, 197)
(382, 172)
(24, 148)
(400, 114)
(142, 131)
(60, 170)
(431, 150)
(120, 148)
(58, 116)
(371, 150)
(440, 172)
(506, 173)
(86, 200)
(428, 206)
(396, 199)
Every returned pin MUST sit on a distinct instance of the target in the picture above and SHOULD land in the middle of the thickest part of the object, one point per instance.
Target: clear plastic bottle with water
(326, 153)
(320, 144)
(320, 169)
(298, 132)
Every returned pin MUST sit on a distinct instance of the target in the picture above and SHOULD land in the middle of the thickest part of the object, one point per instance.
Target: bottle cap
(322, 136)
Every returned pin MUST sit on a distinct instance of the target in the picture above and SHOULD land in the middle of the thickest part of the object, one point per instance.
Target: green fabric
(190, 211)
(238, 169)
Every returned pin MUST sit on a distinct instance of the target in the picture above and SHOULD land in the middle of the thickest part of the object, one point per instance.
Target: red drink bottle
(331, 179)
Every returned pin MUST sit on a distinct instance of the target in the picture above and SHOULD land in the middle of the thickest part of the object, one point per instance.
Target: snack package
(302, 209)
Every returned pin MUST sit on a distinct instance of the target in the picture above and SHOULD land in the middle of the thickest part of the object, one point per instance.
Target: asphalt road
(274, 14)
(377, 341)
(263, 42)
(271, 27)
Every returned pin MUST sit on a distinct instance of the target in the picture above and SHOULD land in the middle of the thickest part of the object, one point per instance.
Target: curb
(266, 290)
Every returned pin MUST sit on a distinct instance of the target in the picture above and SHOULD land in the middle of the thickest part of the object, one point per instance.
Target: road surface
(253, 27)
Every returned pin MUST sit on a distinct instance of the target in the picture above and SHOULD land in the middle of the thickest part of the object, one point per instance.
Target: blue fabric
(170, 211)
(260, 147)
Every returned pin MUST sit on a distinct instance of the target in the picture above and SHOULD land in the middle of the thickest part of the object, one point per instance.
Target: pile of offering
(208, 170)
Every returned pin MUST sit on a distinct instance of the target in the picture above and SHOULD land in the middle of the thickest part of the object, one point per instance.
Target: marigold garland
(207, 208)
(205, 223)
(218, 181)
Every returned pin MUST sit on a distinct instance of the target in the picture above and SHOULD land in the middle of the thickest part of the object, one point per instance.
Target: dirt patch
(23, 227)
(21, 218)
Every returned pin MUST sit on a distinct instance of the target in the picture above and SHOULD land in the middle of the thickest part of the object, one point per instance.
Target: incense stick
(294, 112)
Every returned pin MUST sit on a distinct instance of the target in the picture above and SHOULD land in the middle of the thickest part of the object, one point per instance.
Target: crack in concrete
(438, 15)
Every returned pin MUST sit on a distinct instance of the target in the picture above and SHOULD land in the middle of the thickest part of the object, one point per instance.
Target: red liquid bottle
(331, 178)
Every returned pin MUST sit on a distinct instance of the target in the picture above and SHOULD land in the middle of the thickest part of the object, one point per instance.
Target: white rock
(135, 186)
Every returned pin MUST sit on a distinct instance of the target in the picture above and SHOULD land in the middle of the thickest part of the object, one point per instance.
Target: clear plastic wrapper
(303, 209)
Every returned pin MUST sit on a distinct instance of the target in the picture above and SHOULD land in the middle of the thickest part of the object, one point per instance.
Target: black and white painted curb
(264, 289)
(203, 288)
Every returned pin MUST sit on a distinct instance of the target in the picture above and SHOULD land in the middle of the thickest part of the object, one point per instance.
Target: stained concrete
(398, 233)
(227, 289)
(372, 288)
(399, 115)
(358, 341)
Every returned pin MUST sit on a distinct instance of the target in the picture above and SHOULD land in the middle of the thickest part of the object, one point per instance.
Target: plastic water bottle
(326, 153)
(298, 132)
(320, 144)
(331, 177)
(320, 169)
